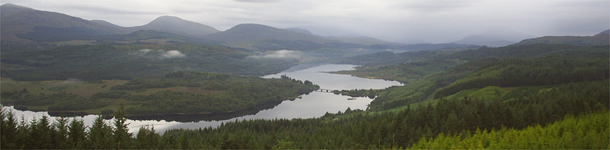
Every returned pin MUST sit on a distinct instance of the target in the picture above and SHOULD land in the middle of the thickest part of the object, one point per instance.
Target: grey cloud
(436, 6)
(257, 1)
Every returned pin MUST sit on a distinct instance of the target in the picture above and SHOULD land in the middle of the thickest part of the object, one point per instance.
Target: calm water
(314, 104)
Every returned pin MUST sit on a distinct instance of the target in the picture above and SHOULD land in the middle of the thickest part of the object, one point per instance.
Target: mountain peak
(168, 18)
(252, 26)
(8, 9)
(178, 25)
(9, 5)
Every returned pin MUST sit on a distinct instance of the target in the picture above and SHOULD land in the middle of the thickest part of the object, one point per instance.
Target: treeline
(60, 101)
(226, 93)
(65, 134)
(354, 129)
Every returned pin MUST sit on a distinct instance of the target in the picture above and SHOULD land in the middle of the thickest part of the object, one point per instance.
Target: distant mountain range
(22, 25)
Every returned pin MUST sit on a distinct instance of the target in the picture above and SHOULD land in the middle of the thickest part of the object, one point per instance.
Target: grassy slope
(583, 132)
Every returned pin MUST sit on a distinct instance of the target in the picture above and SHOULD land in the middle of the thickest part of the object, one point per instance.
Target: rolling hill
(176, 25)
(601, 38)
(22, 24)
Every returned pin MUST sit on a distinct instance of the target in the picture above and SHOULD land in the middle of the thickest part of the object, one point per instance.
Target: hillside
(22, 24)
(257, 36)
(602, 38)
(177, 25)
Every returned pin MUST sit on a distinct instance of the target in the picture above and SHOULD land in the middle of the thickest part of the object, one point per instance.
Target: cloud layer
(160, 54)
(392, 20)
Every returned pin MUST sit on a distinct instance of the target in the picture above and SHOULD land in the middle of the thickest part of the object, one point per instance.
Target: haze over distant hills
(24, 25)
(494, 38)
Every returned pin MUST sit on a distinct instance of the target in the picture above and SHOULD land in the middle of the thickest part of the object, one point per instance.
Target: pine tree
(8, 130)
(61, 137)
(121, 136)
(76, 134)
(100, 135)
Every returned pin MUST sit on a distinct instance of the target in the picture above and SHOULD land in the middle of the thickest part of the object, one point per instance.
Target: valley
(172, 83)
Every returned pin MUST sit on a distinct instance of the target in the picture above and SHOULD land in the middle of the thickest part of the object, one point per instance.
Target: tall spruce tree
(100, 135)
(122, 137)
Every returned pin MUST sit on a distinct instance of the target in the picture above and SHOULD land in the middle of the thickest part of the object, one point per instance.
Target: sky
(406, 21)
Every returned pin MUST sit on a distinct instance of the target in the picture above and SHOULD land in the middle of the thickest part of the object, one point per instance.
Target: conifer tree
(76, 135)
(121, 136)
(100, 135)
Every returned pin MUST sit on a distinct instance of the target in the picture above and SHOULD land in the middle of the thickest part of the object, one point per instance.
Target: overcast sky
(434, 21)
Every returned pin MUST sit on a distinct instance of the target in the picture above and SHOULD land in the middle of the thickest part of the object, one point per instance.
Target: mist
(171, 54)
(287, 54)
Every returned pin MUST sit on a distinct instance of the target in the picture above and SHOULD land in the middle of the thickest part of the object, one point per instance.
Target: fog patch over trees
(288, 54)
(160, 54)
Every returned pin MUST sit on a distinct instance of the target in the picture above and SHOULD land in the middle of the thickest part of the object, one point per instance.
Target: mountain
(362, 40)
(22, 24)
(9, 9)
(602, 38)
(486, 40)
(300, 30)
(262, 37)
(250, 32)
(495, 37)
(106, 23)
(177, 25)
(603, 33)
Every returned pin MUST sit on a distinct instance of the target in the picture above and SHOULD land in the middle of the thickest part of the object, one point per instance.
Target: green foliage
(122, 139)
(419, 90)
(126, 61)
(517, 123)
(100, 135)
(585, 132)
(60, 101)
(528, 72)
(490, 92)
(232, 93)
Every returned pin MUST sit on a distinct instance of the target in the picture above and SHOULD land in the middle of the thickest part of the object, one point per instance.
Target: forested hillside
(129, 61)
(175, 93)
